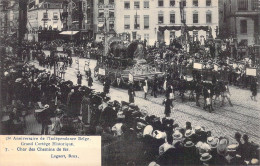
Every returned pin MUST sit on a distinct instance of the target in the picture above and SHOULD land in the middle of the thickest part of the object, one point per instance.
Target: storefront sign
(59, 48)
(197, 66)
(251, 72)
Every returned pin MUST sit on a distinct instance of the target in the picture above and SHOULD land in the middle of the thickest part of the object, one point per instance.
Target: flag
(105, 25)
(136, 20)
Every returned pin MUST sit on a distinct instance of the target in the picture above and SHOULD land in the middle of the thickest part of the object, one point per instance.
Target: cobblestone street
(243, 117)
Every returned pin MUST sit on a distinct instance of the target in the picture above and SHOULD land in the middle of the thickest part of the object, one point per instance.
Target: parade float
(126, 61)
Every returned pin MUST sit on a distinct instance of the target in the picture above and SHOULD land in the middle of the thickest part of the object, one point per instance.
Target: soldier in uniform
(155, 84)
(226, 94)
(131, 93)
(198, 90)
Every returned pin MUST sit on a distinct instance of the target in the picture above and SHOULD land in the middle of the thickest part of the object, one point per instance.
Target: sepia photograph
(130, 82)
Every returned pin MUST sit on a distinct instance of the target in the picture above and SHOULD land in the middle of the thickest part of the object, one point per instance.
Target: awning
(69, 32)
(100, 25)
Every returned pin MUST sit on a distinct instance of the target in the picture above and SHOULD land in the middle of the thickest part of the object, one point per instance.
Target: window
(146, 21)
(172, 2)
(208, 2)
(242, 4)
(172, 18)
(111, 13)
(146, 37)
(101, 1)
(146, 4)
(127, 22)
(160, 18)
(184, 2)
(137, 22)
(195, 17)
(45, 15)
(137, 5)
(208, 17)
(172, 35)
(195, 3)
(101, 26)
(127, 5)
(134, 35)
(243, 26)
(254, 4)
(111, 1)
(160, 3)
(111, 25)
(55, 16)
(101, 13)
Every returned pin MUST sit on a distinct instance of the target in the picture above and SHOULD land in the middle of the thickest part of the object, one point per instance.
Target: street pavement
(243, 117)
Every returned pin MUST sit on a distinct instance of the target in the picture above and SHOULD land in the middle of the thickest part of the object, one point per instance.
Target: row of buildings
(9, 14)
(153, 20)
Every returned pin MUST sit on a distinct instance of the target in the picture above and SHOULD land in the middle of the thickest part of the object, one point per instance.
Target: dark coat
(90, 81)
(168, 105)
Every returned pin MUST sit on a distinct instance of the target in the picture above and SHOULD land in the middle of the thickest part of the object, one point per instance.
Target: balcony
(108, 19)
(103, 6)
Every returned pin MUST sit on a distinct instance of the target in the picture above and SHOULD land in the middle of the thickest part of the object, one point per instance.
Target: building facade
(144, 19)
(104, 18)
(242, 20)
(43, 15)
(9, 15)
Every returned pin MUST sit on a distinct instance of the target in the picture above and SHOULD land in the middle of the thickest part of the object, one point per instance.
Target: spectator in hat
(232, 157)
(190, 156)
(246, 148)
(44, 118)
(206, 159)
(167, 145)
(238, 139)
(117, 128)
(220, 158)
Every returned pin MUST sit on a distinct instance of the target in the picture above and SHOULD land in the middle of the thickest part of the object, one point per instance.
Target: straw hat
(177, 135)
(188, 144)
(205, 157)
(214, 143)
(254, 161)
(222, 146)
(189, 133)
(232, 147)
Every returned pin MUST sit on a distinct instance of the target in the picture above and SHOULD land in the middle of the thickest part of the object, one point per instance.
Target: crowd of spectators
(129, 135)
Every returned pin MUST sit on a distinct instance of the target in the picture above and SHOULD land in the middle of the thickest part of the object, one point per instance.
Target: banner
(101, 71)
(251, 72)
(197, 66)
(60, 49)
(216, 67)
(131, 78)
(47, 52)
